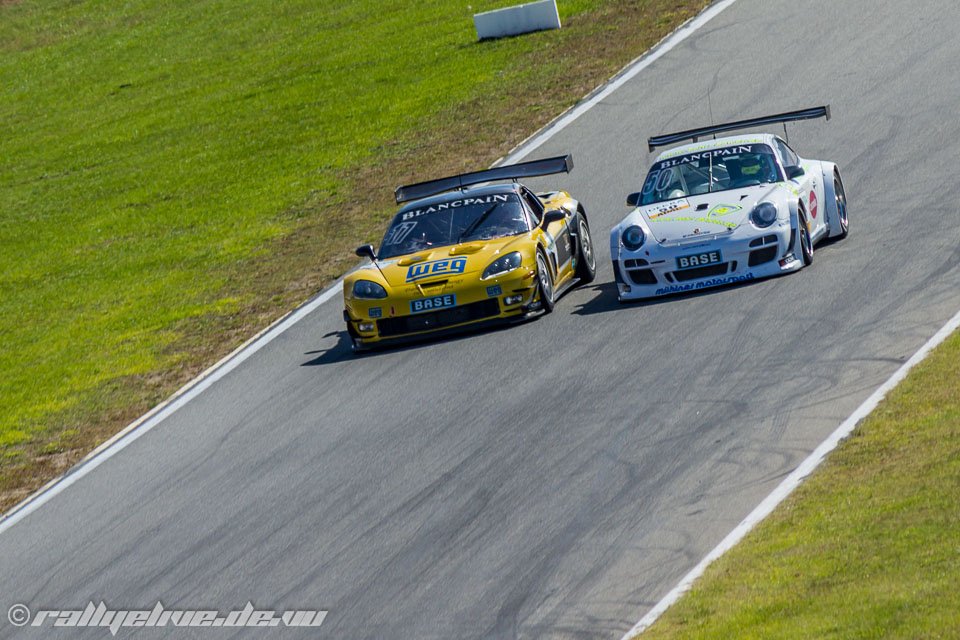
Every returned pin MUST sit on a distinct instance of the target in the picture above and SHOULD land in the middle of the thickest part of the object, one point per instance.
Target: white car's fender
(793, 206)
(830, 196)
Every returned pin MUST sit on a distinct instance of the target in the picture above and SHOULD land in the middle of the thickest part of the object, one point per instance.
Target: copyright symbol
(18, 615)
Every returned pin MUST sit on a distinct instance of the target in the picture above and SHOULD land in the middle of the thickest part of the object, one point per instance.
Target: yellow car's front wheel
(545, 289)
(586, 260)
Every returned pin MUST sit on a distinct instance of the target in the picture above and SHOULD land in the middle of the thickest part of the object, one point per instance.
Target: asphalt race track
(554, 479)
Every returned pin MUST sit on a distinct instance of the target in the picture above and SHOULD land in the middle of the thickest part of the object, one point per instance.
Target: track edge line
(792, 481)
(167, 407)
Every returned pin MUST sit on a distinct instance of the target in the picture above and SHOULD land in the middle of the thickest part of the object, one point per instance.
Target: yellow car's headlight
(365, 289)
(503, 264)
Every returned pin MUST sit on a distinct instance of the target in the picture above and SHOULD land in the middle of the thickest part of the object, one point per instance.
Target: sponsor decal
(551, 245)
(454, 204)
(699, 259)
(399, 232)
(436, 268)
(376, 312)
(664, 208)
(716, 153)
(722, 223)
(789, 187)
(813, 204)
(703, 284)
(723, 210)
(433, 303)
(494, 291)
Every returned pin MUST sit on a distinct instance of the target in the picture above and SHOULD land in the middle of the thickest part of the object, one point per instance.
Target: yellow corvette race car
(459, 255)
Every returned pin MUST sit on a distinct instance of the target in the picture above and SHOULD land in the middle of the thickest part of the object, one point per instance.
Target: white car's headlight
(763, 215)
(368, 290)
(633, 237)
(503, 264)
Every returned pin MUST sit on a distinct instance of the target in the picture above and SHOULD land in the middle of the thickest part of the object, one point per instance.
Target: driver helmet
(755, 167)
(511, 218)
(750, 166)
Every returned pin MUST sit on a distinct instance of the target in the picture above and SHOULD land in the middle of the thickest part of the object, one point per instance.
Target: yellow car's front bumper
(413, 312)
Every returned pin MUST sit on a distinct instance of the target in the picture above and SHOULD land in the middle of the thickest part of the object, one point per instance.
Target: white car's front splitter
(659, 275)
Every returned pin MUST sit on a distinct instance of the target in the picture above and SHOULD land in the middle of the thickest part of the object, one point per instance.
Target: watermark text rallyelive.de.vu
(100, 615)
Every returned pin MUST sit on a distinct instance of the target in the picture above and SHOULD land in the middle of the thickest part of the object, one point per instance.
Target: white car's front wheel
(841, 197)
(806, 241)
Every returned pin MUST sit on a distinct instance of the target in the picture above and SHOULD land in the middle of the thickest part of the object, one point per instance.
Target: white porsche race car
(727, 210)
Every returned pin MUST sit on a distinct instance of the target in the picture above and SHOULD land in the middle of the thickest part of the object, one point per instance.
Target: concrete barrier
(511, 21)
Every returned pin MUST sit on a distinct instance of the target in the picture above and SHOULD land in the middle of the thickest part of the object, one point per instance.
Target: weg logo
(436, 268)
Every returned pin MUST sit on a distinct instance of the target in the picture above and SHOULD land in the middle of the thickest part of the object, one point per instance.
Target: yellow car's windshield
(460, 219)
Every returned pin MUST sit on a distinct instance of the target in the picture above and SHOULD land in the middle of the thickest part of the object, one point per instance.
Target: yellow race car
(459, 255)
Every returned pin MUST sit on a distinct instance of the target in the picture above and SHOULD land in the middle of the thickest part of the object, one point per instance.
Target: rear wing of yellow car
(547, 166)
(695, 134)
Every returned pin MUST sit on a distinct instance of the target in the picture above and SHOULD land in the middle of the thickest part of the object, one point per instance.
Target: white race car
(727, 210)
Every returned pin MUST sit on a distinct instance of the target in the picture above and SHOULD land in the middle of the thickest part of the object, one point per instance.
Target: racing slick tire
(806, 241)
(841, 197)
(586, 259)
(545, 290)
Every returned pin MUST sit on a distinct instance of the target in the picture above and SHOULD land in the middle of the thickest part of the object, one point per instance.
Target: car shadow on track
(339, 352)
(606, 299)
(342, 351)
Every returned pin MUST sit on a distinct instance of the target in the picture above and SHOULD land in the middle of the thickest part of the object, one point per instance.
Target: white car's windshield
(700, 172)
(459, 220)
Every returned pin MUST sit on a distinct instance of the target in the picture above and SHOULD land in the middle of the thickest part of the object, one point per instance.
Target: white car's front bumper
(653, 270)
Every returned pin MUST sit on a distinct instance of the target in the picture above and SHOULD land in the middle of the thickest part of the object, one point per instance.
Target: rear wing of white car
(695, 134)
(545, 167)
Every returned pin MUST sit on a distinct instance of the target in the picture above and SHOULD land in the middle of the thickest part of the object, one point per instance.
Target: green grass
(176, 174)
(868, 547)
(150, 145)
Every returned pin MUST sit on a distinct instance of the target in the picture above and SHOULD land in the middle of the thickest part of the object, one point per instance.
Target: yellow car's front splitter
(409, 316)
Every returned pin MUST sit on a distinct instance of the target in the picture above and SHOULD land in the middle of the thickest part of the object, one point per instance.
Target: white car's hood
(703, 215)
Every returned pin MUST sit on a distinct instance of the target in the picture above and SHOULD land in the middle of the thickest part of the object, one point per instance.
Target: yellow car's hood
(446, 263)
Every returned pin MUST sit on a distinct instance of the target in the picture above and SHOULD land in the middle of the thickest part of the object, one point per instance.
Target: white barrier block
(511, 21)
